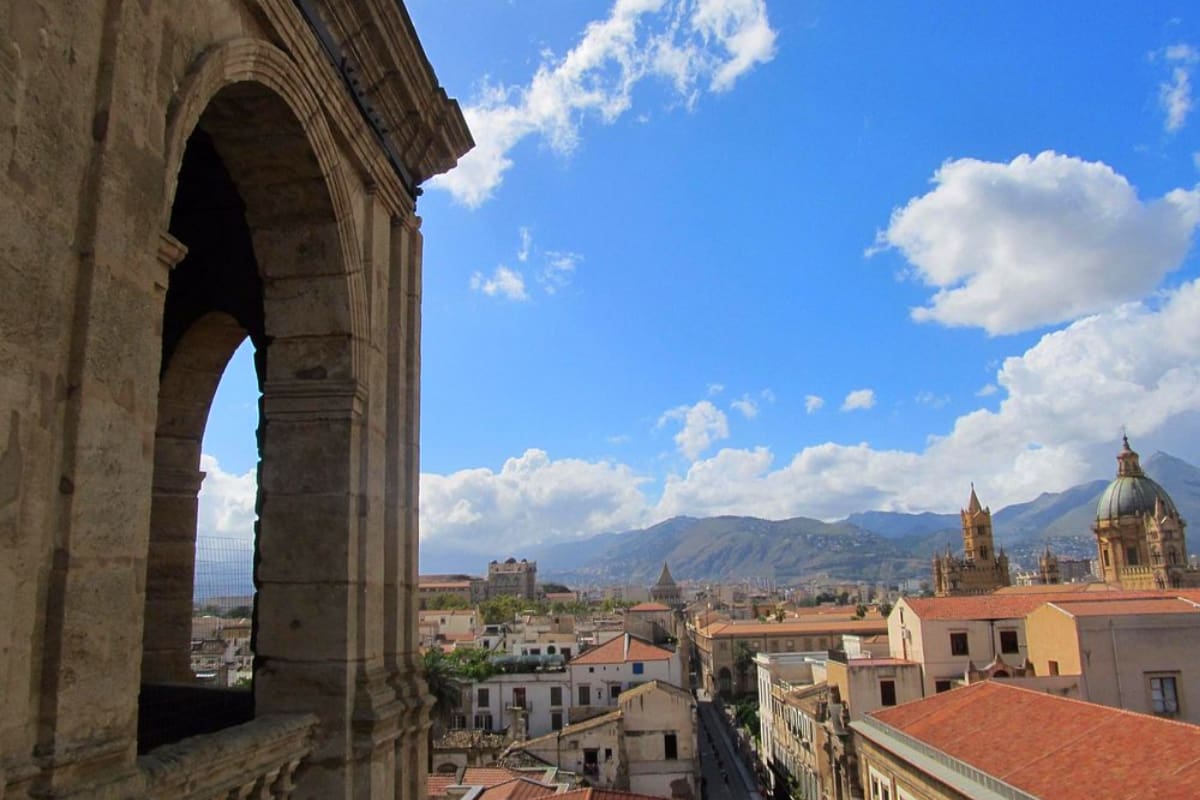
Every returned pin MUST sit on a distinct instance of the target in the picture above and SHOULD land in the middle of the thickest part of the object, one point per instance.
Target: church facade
(982, 568)
(1140, 536)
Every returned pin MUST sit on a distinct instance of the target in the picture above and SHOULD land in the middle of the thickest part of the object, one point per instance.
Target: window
(556, 720)
(483, 699)
(614, 689)
(591, 669)
(585, 695)
(638, 668)
(1053, 666)
(1106, 557)
(958, 644)
(1131, 556)
(608, 754)
(941, 686)
(519, 696)
(483, 722)
(591, 762)
(556, 695)
(983, 552)
(887, 693)
(535, 651)
(670, 747)
(458, 721)
(1164, 696)
(1008, 642)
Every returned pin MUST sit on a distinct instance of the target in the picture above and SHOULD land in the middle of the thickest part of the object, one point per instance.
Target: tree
(439, 674)
(860, 611)
(743, 657)
(446, 602)
(555, 588)
(502, 609)
(885, 609)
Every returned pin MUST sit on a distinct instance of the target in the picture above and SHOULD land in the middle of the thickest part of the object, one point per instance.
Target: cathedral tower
(981, 569)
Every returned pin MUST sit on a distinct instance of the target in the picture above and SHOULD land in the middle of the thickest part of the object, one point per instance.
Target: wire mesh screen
(223, 599)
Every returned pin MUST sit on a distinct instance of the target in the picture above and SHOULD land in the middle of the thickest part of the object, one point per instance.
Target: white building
(600, 675)
(498, 703)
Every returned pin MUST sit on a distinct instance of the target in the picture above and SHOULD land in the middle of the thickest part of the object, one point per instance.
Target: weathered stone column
(404, 360)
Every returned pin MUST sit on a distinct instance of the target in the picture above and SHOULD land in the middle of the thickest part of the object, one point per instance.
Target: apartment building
(599, 675)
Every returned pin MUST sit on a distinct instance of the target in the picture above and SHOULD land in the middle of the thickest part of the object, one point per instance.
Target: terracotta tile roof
(1058, 588)
(750, 630)
(593, 793)
(648, 607)
(517, 789)
(587, 724)
(1104, 608)
(1005, 606)
(487, 776)
(436, 784)
(1054, 747)
(623, 649)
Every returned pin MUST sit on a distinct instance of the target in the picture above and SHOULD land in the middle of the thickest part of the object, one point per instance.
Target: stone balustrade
(254, 760)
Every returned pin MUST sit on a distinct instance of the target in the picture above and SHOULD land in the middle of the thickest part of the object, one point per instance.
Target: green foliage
(576, 607)
(611, 604)
(780, 615)
(502, 609)
(743, 657)
(446, 602)
(440, 673)
(471, 663)
(885, 609)
(860, 611)
(555, 588)
(745, 711)
(237, 612)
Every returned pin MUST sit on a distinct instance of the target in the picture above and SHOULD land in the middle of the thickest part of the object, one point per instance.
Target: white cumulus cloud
(1038, 240)
(531, 499)
(685, 42)
(226, 501)
(504, 282)
(859, 400)
(702, 425)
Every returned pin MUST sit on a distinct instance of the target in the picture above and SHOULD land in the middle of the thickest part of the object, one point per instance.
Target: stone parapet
(256, 759)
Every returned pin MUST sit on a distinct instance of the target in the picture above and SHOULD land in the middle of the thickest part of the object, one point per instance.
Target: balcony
(256, 759)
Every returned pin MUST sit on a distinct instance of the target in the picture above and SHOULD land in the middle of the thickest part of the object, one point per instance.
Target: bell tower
(978, 546)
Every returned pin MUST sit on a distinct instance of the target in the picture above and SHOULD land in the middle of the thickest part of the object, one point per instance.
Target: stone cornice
(375, 50)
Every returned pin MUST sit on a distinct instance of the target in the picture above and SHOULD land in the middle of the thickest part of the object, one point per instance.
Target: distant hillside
(744, 547)
(870, 545)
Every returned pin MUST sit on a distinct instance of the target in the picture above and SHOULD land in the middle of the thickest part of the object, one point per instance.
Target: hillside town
(689, 690)
(263, 538)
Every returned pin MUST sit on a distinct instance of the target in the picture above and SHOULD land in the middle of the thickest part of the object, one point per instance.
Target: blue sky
(791, 258)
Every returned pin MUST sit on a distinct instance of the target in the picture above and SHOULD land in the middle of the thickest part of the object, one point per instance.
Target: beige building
(654, 622)
(725, 650)
(1136, 654)
(791, 736)
(948, 636)
(467, 590)
(512, 578)
(981, 568)
(992, 740)
(179, 178)
(868, 684)
(646, 745)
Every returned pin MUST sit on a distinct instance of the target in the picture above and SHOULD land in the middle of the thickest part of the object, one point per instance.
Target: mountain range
(871, 545)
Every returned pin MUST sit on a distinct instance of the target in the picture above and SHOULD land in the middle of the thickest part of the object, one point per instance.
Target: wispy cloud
(813, 403)
(932, 400)
(504, 282)
(558, 270)
(526, 243)
(1175, 95)
(745, 406)
(987, 390)
(695, 45)
(715, 388)
(859, 400)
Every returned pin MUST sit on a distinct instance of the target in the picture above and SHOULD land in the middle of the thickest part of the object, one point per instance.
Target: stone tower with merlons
(982, 568)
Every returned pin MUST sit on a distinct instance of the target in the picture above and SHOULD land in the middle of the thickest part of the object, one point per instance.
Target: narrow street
(725, 776)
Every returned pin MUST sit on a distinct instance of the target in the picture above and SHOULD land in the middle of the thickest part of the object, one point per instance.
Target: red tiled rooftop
(614, 652)
(1054, 747)
(593, 793)
(487, 776)
(517, 789)
(749, 630)
(1008, 606)
(1104, 608)
(649, 607)
(437, 784)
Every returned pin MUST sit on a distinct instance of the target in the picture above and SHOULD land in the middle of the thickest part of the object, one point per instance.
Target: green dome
(1132, 493)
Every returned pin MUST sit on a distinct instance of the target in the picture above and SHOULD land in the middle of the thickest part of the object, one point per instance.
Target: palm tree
(440, 677)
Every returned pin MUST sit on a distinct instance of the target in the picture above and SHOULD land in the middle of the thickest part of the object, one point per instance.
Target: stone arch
(256, 193)
(258, 62)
